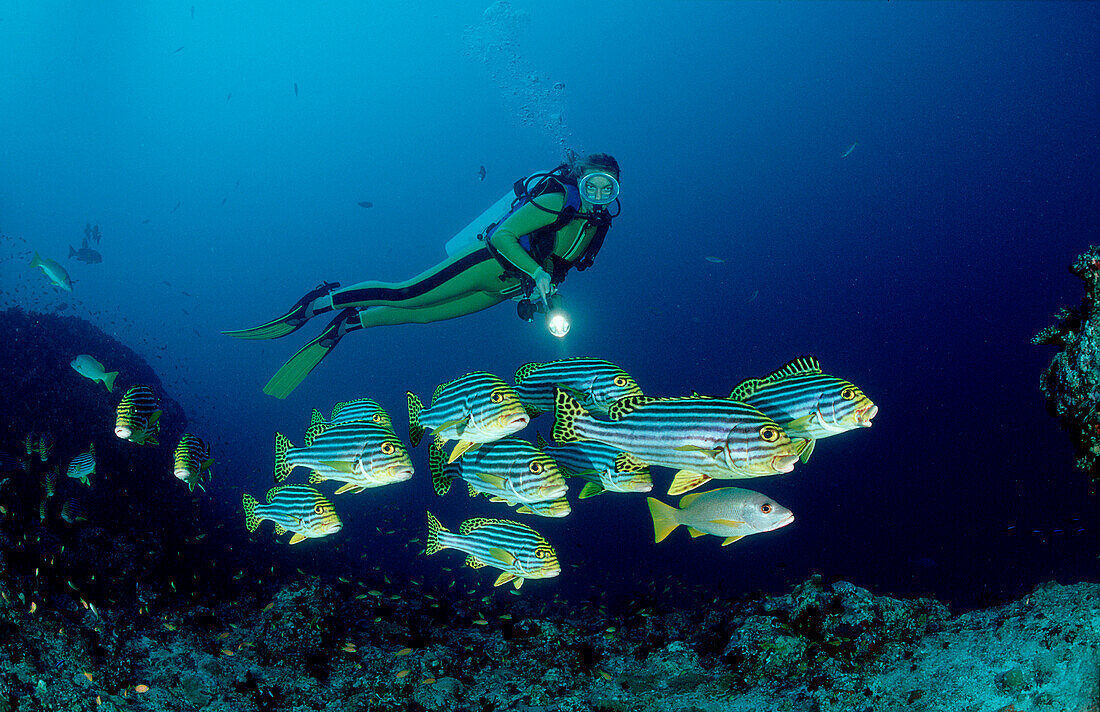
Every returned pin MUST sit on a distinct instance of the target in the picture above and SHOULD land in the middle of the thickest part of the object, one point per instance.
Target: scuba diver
(557, 221)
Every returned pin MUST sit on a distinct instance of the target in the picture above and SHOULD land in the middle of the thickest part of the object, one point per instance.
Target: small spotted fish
(82, 466)
(515, 548)
(297, 508)
(137, 417)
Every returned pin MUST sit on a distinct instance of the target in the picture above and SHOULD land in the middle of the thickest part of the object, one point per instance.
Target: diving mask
(599, 188)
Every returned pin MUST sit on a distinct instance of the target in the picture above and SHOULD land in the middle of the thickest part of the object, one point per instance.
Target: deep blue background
(918, 266)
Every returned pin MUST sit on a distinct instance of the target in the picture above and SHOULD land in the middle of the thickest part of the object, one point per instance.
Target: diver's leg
(388, 316)
(455, 278)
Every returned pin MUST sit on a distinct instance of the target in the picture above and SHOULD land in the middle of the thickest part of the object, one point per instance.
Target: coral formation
(1071, 383)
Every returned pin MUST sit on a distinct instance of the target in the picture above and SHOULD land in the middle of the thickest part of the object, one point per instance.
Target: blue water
(223, 151)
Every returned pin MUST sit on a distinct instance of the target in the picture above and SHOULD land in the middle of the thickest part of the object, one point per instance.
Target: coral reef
(1071, 383)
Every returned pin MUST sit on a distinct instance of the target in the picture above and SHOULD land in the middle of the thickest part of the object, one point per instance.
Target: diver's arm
(526, 220)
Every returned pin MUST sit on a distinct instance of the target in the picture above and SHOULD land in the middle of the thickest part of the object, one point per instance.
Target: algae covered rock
(1071, 383)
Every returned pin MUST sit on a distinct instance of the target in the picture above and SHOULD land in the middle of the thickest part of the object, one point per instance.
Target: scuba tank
(471, 235)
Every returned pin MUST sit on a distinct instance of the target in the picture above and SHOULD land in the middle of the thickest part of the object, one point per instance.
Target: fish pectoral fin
(461, 449)
(345, 488)
(502, 556)
(298, 537)
(729, 540)
(153, 418)
(802, 423)
(518, 582)
(494, 481)
(711, 452)
(805, 449)
(591, 490)
(695, 532)
(686, 480)
(504, 578)
(726, 522)
(339, 465)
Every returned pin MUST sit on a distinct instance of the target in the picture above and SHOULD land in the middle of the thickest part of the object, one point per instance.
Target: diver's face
(599, 188)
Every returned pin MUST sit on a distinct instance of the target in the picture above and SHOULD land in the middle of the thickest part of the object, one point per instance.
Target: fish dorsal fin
(474, 563)
(502, 556)
(695, 532)
(524, 372)
(274, 491)
(314, 430)
(316, 417)
(540, 442)
(801, 366)
(626, 405)
(471, 525)
(746, 388)
(686, 500)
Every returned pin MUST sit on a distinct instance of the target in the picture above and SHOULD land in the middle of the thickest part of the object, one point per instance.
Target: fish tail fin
(566, 412)
(282, 467)
(36, 261)
(434, 528)
(109, 380)
(664, 518)
(441, 481)
(251, 521)
(416, 430)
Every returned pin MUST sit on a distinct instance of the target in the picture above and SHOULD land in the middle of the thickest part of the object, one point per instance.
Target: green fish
(730, 512)
(53, 271)
(515, 548)
(93, 370)
(297, 508)
(191, 462)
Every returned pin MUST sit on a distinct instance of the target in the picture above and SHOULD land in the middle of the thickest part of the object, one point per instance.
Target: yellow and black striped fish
(137, 417)
(702, 438)
(360, 454)
(603, 467)
(593, 382)
(191, 461)
(509, 470)
(45, 446)
(515, 548)
(472, 409)
(297, 508)
(806, 402)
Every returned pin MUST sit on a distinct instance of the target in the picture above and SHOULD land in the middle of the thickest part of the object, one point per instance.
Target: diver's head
(598, 179)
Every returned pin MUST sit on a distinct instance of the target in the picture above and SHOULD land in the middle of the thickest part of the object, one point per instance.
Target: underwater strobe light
(557, 321)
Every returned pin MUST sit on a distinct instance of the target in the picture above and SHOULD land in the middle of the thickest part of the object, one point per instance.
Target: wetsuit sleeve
(525, 220)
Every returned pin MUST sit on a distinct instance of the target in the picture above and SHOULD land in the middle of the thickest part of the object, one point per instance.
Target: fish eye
(535, 468)
(318, 509)
(377, 418)
(620, 381)
(496, 397)
(766, 508)
(769, 433)
(388, 448)
(848, 393)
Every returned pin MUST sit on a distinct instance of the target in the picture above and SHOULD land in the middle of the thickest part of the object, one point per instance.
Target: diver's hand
(543, 287)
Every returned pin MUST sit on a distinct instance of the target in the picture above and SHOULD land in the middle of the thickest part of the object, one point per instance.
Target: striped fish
(45, 446)
(516, 549)
(806, 402)
(73, 512)
(297, 508)
(83, 465)
(31, 443)
(593, 382)
(702, 438)
(51, 481)
(137, 417)
(605, 468)
(359, 454)
(730, 512)
(472, 409)
(192, 461)
(361, 409)
(509, 470)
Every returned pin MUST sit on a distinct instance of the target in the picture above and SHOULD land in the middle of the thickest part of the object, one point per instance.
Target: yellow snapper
(297, 508)
(53, 271)
(806, 402)
(730, 512)
(515, 548)
(137, 417)
(191, 461)
(472, 409)
(702, 438)
(92, 369)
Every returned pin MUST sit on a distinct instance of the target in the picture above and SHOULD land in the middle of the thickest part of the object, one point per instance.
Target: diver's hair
(603, 161)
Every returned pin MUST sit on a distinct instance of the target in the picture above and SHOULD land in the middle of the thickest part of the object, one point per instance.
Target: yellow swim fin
(294, 371)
